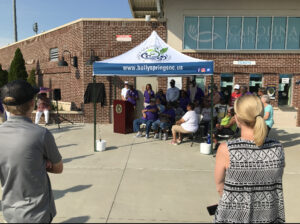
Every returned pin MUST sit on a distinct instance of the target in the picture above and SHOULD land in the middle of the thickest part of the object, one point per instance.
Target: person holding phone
(249, 170)
(27, 153)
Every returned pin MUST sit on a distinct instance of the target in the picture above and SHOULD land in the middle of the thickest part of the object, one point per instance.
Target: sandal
(178, 141)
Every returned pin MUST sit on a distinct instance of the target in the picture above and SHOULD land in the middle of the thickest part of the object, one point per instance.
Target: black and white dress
(253, 184)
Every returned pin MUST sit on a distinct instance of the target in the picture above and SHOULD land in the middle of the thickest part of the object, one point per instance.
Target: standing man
(236, 94)
(172, 93)
(27, 153)
(194, 92)
(124, 90)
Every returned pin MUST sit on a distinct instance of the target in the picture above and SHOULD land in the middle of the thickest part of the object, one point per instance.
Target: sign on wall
(285, 80)
(244, 62)
(124, 38)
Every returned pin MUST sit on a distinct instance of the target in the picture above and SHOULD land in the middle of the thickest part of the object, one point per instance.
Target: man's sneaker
(156, 135)
(147, 136)
(138, 135)
(165, 136)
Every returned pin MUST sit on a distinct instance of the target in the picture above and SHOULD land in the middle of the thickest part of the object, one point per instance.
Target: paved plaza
(139, 180)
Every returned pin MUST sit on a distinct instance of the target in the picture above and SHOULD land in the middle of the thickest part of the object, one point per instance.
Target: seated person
(160, 106)
(227, 126)
(184, 100)
(43, 106)
(221, 109)
(197, 107)
(160, 94)
(149, 116)
(187, 124)
(206, 115)
(164, 122)
(178, 110)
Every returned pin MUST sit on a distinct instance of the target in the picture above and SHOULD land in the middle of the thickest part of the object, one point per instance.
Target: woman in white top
(187, 124)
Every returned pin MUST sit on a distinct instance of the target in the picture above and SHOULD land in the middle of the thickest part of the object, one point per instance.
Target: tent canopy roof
(153, 57)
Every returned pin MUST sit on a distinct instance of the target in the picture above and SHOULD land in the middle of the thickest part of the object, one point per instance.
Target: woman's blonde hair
(250, 112)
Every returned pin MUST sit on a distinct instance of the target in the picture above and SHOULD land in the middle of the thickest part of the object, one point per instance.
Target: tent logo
(155, 54)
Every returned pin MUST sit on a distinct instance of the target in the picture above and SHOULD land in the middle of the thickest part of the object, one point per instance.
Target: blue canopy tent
(153, 57)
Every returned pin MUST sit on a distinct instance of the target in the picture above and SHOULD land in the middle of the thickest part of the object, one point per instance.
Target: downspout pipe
(158, 6)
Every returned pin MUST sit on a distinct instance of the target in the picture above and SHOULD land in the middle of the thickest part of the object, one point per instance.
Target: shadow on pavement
(65, 146)
(80, 219)
(61, 193)
(287, 139)
(74, 158)
(65, 128)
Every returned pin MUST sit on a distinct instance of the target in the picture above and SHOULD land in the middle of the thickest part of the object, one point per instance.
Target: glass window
(234, 33)
(293, 40)
(205, 35)
(255, 82)
(249, 33)
(264, 33)
(279, 33)
(190, 32)
(220, 30)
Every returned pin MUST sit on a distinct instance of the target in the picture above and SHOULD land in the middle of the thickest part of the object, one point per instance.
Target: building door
(285, 90)
(255, 83)
(226, 86)
(200, 81)
(141, 83)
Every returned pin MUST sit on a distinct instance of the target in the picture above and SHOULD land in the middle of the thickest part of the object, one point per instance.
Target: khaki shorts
(179, 129)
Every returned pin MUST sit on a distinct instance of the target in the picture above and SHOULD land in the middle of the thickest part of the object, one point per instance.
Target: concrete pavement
(139, 180)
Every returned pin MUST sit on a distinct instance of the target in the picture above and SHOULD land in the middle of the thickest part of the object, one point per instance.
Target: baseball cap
(237, 86)
(20, 91)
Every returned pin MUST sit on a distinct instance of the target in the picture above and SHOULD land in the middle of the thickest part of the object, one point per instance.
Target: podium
(123, 117)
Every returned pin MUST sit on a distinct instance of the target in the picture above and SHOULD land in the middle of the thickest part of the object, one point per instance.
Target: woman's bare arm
(222, 163)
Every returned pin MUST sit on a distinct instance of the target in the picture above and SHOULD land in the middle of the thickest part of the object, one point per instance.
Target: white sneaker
(147, 136)
(138, 135)
(156, 136)
(165, 136)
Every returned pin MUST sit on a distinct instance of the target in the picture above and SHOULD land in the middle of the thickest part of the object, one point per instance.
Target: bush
(17, 67)
(31, 78)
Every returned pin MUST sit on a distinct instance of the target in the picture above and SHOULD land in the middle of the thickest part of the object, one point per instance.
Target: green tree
(3, 77)
(17, 67)
(31, 78)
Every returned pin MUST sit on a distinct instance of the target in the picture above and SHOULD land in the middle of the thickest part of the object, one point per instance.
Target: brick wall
(101, 37)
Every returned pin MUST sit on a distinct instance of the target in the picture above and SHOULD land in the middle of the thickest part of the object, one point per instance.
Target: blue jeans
(162, 125)
(139, 121)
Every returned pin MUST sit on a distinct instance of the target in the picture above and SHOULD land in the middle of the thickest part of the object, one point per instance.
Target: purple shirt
(131, 96)
(162, 98)
(151, 115)
(147, 96)
(170, 112)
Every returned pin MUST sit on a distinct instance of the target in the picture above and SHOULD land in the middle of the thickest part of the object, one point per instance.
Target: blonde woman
(248, 172)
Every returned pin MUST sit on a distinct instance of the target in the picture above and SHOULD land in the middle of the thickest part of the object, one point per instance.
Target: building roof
(141, 8)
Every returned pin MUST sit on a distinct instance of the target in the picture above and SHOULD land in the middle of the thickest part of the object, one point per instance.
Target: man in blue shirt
(149, 116)
(172, 93)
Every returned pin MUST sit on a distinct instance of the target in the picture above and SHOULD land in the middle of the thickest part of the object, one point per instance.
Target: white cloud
(4, 41)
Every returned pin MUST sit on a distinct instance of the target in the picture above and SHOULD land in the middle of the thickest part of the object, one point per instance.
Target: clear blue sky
(53, 13)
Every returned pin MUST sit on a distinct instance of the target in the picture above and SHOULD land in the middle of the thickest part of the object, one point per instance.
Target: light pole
(15, 20)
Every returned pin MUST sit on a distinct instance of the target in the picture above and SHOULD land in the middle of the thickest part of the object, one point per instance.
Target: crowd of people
(248, 170)
(183, 112)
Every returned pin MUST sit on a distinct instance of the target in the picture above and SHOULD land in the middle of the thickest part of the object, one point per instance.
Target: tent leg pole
(95, 108)
(115, 87)
(211, 112)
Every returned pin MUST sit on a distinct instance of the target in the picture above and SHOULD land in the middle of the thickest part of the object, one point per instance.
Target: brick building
(81, 39)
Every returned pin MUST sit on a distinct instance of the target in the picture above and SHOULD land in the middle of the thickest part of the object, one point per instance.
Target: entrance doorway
(226, 86)
(141, 83)
(285, 90)
(255, 83)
